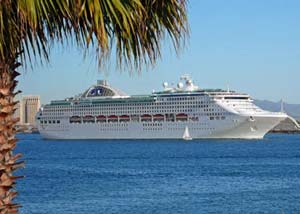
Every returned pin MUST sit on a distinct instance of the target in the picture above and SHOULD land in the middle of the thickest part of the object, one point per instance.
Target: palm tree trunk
(8, 161)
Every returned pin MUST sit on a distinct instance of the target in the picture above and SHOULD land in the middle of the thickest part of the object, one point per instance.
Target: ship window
(236, 98)
(211, 118)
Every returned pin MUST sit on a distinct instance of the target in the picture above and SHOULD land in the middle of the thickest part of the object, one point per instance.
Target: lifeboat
(88, 119)
(112, 118)
(158, 117)
(101, 118)
(146, 118)
(181, 117)
(75, 119)
(124, 118)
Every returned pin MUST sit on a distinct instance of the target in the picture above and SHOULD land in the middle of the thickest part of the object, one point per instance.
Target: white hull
(239, 127)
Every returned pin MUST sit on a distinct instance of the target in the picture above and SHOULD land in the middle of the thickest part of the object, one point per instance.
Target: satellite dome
(180, 85)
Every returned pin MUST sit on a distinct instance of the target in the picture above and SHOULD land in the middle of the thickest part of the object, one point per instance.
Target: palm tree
(28, 28)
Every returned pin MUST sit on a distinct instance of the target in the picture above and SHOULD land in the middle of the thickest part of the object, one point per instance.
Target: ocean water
(160, 176)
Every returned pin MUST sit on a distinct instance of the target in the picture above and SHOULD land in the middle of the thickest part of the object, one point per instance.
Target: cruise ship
(184, 111)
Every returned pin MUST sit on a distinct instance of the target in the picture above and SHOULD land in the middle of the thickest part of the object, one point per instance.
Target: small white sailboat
(186, 134)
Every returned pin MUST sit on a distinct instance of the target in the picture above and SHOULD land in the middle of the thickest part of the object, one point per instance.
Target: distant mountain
(291, 109)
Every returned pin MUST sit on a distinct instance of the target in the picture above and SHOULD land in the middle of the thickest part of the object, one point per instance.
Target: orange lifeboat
(75, 119)
(181, 117)
(158, 117)
(124, 118)
(146, 118)
(88, 119)
(101, 118)
(112, 118)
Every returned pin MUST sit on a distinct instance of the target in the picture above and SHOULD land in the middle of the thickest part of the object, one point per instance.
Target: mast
(186, 134)
(282, 106)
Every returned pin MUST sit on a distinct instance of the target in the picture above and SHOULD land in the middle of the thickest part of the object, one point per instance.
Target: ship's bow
(256, 127)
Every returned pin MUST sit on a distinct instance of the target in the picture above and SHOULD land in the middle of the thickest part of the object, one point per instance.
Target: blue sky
(251, 45)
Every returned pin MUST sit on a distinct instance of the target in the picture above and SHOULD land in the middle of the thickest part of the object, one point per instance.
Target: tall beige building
(29, 107)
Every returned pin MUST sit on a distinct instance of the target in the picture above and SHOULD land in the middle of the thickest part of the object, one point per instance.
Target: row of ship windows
(176, 129)
(217, 118)
(152, 124)
(49, 121)
(178, 106)
(155, 129)
(152, 129)
(160, 125)
(121, 125)
(204, 108)
(192, 128)
(113, 129)
(180, 98)
(162, 100)
(129, 108)
(136, 112)
(143, 105)
(124, 121)
(214, 114)
(144, 124)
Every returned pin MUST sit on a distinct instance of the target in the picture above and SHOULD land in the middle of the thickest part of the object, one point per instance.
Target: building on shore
(26, 109)
(30, 106)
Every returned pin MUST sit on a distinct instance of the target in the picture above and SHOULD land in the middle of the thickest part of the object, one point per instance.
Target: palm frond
(134, 27)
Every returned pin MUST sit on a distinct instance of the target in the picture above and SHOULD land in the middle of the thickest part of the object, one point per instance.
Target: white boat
(104, 112)
(186, 134)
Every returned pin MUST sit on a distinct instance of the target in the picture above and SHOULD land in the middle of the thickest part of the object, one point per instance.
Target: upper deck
(103, 93)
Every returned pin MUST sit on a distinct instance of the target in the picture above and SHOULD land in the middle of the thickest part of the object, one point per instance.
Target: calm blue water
(208, 176)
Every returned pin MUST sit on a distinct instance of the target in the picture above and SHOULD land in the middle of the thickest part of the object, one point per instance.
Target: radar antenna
(189, 83)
